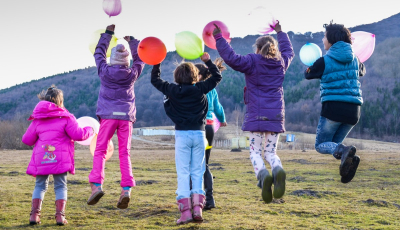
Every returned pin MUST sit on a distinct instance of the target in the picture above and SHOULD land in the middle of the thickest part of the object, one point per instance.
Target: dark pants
(208, 177)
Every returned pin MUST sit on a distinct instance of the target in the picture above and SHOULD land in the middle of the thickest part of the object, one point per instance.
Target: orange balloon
(110, 147)
(152, 51)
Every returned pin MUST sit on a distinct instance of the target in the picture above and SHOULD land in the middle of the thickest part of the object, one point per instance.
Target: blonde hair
(52, 94)
(268, 47)
(186, 73)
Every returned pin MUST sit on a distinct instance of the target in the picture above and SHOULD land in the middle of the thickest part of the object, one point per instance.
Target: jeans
(106, 132)
(42, 183)
(330, 134)
(190, 162)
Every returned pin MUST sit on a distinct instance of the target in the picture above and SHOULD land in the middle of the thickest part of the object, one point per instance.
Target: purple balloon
(112, 7)
(363, 44)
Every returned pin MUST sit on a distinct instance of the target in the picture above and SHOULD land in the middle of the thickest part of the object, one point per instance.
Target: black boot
(208, 187)
(265, 183)
(346, 154)
(352, 170)
(279, 181)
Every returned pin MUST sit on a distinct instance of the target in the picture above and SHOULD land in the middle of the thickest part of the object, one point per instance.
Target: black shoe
(266, 192)
(279, 181)
(352, 170)
(347, 155)
(210, 203)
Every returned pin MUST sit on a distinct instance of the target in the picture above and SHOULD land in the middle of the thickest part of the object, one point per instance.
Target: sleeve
(316, 70)
(77, 133)
(209, 84)
(100, 54)
(362, 71)
(30, 137)
(286, 48)
(237, 62)
(137, 63)
(157, 82)
(218, 109)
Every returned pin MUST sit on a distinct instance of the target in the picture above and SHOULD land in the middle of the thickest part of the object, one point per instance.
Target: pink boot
(184, 206)
(124, 199)
(198, 202)
(60, 212)
(97, 193)
(35, 211)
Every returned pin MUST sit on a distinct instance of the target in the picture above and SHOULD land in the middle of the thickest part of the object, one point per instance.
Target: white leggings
(270, 146)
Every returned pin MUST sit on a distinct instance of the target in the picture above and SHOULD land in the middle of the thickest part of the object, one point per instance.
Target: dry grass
(315, 198)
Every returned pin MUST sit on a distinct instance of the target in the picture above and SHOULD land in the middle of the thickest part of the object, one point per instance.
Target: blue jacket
(339, 81)
(214, 106)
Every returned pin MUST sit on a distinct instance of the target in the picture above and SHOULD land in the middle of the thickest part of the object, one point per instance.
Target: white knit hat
(119, 55)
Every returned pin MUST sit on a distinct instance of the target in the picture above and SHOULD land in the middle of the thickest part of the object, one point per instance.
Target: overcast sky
(40, 38)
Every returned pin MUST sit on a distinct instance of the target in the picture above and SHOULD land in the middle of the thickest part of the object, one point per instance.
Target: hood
(342, 52)
(46, 109)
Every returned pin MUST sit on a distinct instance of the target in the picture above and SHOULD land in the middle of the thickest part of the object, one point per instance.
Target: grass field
(314, 199)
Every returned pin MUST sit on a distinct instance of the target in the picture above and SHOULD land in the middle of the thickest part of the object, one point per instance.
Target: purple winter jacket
(116, 97)
(53, 132)
(263, 94)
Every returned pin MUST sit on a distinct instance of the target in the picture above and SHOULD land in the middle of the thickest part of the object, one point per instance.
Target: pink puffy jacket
(53, 132)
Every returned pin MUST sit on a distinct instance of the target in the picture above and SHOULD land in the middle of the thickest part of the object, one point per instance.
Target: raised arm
(216, 77)
(100, 56)
(156, 81)
(77, 133)
(285, 46)
(30, 137)
(138, 64)
(237, 62)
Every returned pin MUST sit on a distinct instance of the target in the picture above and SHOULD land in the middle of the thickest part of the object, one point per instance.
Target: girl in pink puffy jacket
(52, 132)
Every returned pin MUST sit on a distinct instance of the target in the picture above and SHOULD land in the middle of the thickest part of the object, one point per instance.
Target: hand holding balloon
(205, 57)
(277, 27)
(111, 28)
(217, 30)
(127, 38)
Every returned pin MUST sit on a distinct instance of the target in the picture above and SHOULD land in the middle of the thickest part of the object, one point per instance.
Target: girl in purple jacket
(265, 108)
(116, 111)
(52, 132)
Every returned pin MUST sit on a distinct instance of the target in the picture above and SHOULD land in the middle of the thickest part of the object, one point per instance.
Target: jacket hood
(342, 52)
(46, 109)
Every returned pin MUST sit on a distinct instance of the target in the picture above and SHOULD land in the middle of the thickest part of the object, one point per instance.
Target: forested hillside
(381, 88)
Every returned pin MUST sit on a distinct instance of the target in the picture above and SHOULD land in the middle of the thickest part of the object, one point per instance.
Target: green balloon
(188, 45)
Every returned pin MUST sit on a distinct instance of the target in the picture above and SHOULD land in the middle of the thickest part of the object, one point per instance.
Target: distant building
(153, 132)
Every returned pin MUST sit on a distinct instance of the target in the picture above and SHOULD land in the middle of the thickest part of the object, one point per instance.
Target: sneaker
(348, 153)
(124, 199)
(352, 170)
(97, 193)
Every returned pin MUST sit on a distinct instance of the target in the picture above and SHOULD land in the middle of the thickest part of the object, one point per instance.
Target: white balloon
(88, 121)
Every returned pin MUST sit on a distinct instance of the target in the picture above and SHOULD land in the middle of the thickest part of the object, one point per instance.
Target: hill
(381, 90)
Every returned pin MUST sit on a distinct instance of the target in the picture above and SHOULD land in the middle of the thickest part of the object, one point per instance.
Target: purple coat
(117, 96)
(53, 132)
(263, 94)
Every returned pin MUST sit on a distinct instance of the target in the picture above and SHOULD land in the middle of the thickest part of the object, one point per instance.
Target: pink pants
(124, 133)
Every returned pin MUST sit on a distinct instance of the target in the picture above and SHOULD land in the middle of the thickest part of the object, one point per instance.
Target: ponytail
(268, 47)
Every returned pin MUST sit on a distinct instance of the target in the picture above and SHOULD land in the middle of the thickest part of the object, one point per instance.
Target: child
(339, 71)
(213, 107)
(186, 104)
(53, 132)
(116, 111)
(263, 96)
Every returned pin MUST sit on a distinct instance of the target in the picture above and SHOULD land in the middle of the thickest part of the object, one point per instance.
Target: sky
(40, 38)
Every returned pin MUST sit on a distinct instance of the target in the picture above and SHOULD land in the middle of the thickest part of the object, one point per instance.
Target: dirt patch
(234, 181)
(215, 164)
(219, 168)
(312, 193)
(298, 179)
(145, 182)
(278, 201)
(13, 173)
(83, 169)
(76, 182)
(305, 162)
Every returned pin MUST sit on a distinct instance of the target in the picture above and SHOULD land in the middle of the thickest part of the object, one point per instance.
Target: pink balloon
(112, 7)
(216, 123)
(363, 44)
(208, 37)
(262, 20)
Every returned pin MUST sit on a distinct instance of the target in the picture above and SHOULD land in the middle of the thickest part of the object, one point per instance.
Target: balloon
(208, 37)
(309, 53)
(188, 45)
(261, 20)
(88, 121)
(152, 51)
(112, 7)
(208, 146)
(216, 123)
(95, 39)
(110, 147)
(363, 44)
